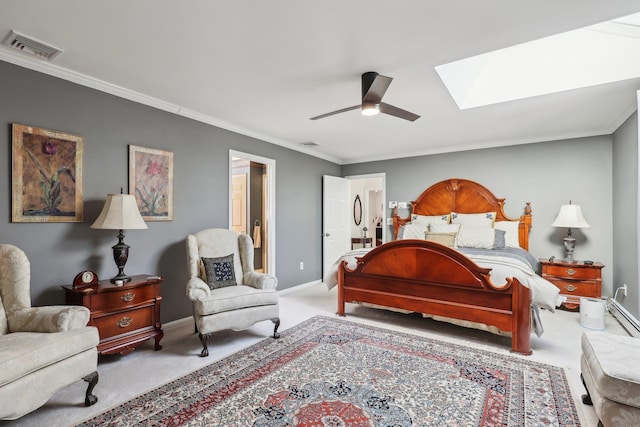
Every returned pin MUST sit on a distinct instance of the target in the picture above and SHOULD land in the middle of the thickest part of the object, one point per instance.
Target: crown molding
(51, 69)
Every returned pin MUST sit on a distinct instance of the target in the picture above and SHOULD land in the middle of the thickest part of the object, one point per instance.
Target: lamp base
(120, 279)
(569, 246)
(120, 256)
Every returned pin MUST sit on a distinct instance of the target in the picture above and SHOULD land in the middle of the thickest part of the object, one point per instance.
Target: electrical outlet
(624, 289)
(389, 221)
(393, 205)
(301, 265)
(402, 205)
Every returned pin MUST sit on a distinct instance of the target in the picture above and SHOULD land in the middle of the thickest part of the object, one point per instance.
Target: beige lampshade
(120, 212)
(570, 216)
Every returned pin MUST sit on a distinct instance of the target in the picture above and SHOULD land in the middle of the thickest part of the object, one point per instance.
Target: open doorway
(252, 204)
(370, 191)
(349, 205)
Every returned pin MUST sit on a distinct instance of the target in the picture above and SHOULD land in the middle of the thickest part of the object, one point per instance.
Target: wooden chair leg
(203, 340)
(276, 322)
(89, 398)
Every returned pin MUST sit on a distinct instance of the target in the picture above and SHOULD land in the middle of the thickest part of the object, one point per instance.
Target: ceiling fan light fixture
(370, 108)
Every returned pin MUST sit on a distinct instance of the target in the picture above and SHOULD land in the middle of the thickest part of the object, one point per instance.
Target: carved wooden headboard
(463, 196)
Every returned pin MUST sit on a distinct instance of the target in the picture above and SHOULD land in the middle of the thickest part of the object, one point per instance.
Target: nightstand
(575, 280)
(126, 316)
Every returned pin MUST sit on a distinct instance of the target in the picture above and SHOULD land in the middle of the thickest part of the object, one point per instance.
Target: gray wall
(625, 212)
(58, 251)
(545, 174)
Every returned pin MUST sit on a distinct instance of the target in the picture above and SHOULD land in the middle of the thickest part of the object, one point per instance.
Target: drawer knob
(124, 322)
(128, 297)
(570, 288)
(571, 272)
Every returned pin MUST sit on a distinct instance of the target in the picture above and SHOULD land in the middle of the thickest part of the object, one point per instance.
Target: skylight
(602, 53)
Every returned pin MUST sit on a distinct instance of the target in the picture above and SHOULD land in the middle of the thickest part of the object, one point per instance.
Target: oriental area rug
(333, 372)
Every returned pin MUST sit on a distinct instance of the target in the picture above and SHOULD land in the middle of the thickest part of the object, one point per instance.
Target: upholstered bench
(610, 373)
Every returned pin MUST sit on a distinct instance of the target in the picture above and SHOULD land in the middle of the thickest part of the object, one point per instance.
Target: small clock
(85, 278)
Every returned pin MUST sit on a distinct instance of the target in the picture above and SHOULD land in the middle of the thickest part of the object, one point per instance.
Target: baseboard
(298, 287)
(626, 319)
(179, 323)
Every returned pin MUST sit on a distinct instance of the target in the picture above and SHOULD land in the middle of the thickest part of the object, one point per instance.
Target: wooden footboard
(427, 277)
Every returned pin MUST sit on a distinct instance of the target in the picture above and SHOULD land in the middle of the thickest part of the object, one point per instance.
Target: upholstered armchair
(42, 349)
(226, 291)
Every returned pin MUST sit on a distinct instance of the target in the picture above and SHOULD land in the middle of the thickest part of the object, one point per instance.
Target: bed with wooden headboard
(428, 277)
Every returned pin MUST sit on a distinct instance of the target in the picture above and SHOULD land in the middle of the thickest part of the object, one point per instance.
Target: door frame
(270, 212)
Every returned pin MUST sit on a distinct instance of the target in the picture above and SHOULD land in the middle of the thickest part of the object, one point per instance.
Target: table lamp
(570, 216)
(120, 212)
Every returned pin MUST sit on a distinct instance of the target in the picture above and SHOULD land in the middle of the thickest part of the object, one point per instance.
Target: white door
(239, 203)
(336, 216)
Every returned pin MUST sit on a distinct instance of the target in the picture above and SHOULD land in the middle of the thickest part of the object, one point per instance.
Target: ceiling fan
(373, 88)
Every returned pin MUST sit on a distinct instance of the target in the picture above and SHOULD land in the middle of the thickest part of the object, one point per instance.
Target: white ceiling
(263, 68)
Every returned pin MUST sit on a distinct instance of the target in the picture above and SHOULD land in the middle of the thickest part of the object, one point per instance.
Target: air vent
(31, 46)
(309, 144)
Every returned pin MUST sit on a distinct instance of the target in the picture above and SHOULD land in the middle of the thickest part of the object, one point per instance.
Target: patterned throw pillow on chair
(219, 271)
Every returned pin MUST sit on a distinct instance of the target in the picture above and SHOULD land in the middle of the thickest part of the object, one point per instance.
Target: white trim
(178, 323)
(271, 208)
(51, 69)
(298, 287)
(54, 70)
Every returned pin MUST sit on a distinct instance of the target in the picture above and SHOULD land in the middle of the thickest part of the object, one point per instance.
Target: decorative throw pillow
(447, 239)
(485, 219)
(219, 272)
(429, 219)
(446, 228)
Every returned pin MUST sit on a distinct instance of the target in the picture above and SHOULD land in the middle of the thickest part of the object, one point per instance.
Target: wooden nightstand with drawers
(126, 316)
(575, 280)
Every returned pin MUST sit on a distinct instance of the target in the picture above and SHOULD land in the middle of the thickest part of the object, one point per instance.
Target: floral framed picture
(151, 181)
(46, 175)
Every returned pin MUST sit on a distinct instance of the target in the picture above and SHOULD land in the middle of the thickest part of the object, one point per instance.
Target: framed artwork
(151, 181)
(46, 177)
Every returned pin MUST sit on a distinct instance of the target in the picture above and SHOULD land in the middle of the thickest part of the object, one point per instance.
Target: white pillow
(485, 219)
(446, 228)
(413, 231)
(471, 236)
(511, 236)
(430, 219)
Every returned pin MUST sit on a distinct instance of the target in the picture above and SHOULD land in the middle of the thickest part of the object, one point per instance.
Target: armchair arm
(55, 318)
(260, 280)
(197, 289)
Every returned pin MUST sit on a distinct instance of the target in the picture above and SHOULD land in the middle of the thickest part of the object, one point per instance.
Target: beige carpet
(122, 378)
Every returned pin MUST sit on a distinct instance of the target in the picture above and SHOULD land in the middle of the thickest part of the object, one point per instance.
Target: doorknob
(327, 234)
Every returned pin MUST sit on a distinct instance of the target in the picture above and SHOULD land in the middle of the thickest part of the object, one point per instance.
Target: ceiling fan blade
(335, 112)
(374, 86)
(398, 112)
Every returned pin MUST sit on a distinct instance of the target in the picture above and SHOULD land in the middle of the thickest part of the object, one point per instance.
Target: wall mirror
(357, 210)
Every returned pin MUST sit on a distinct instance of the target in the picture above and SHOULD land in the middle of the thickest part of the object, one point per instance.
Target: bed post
(525, 227)
(398, 222)
(341, 268)
(521, 319)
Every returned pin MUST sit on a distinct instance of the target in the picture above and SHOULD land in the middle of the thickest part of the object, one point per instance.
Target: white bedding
(543, 292)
